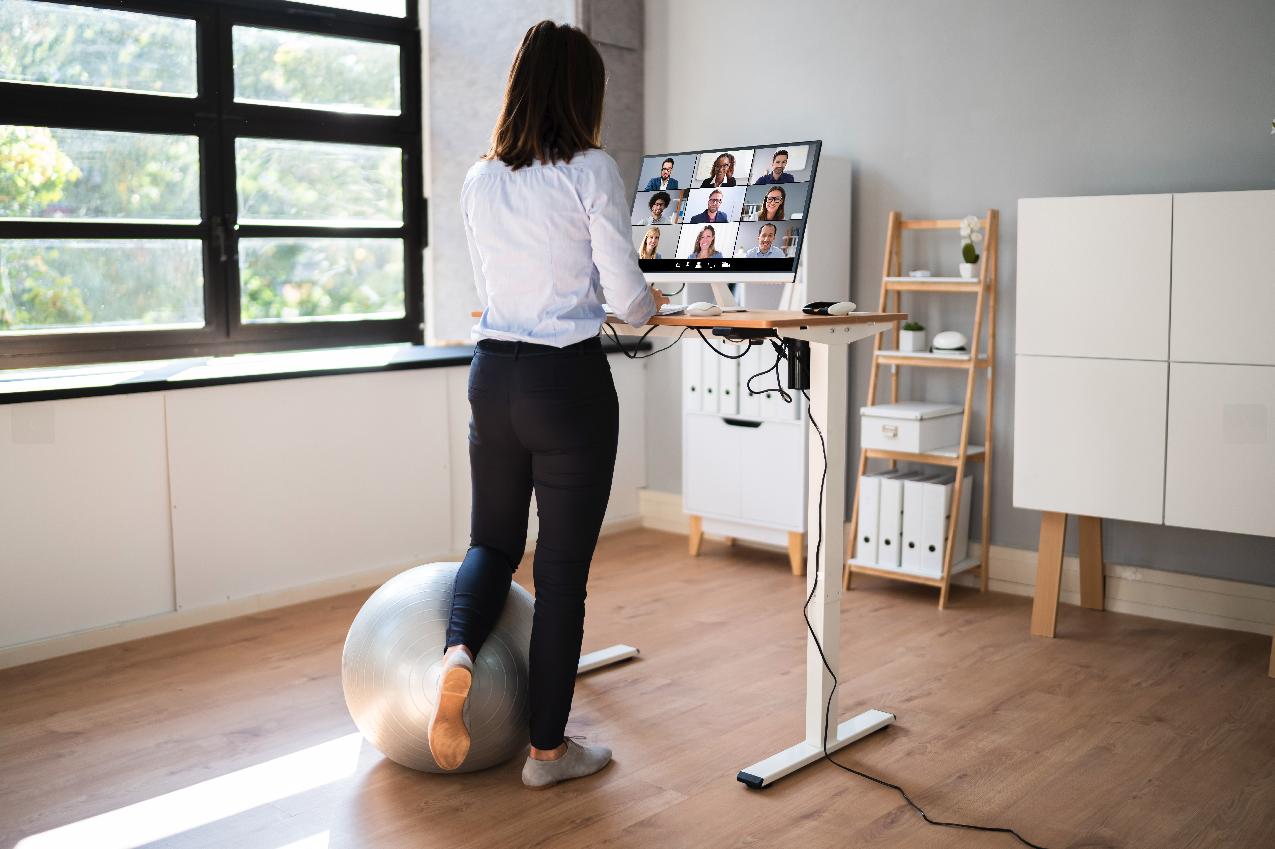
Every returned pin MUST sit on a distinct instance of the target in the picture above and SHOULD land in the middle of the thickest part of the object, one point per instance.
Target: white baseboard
(178, 620)
(1129, 589)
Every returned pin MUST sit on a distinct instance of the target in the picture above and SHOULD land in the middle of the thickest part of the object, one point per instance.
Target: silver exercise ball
(386, 670)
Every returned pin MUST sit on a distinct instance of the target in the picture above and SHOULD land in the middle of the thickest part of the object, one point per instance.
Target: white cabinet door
(712, 463)
(774, 492)
(1223, 277)
(1089, 436)
(1093, 276)
(716, 452)
(1221, 456)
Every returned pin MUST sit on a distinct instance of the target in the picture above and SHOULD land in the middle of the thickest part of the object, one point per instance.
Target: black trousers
(544, 418)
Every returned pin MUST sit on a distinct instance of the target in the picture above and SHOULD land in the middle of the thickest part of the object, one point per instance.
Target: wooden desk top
(771, 318)
(766, 319)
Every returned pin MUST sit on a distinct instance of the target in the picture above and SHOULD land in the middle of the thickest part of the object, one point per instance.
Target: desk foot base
(767, 772)
(605, 657)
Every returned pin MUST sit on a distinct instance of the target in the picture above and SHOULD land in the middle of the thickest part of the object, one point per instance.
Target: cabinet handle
(740, 422)
(890, 430)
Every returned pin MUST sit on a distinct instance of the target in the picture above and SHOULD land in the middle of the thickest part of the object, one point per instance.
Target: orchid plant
(970, 234)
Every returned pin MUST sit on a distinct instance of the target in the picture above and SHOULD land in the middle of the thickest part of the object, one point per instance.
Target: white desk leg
(828, 378)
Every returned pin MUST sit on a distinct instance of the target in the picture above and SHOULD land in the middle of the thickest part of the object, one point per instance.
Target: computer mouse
(827, 307)
(703, 308)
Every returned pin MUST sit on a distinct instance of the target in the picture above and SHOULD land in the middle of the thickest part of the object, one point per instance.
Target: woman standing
(546, 216)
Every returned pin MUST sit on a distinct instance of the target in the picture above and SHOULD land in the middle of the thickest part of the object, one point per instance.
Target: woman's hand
(660, 298)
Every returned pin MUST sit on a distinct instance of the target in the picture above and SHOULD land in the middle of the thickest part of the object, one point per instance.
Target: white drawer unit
(1132, 402)
(912, 426)
(1220, 472)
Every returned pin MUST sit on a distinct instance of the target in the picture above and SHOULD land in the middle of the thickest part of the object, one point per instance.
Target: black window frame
(217, 120)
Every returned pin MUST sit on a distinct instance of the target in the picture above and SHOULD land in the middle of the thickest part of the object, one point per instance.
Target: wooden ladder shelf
(893, 282)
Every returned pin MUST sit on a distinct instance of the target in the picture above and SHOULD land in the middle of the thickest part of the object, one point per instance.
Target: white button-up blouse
(543, 240)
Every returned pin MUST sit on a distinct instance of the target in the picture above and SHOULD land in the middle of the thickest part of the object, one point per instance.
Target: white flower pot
(969, 269)
(912, 340)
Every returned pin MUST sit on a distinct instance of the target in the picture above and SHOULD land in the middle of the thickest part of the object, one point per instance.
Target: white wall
(126, 508)
(948, 109)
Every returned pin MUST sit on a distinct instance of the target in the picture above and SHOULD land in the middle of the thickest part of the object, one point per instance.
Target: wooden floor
(1125, 731)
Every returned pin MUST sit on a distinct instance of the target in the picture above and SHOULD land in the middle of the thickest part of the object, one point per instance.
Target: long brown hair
(779, 213)
(643, 254)
(712, 246)
(553, 100)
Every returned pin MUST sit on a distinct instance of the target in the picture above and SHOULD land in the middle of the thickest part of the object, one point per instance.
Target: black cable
(636, 353)
(805, 612)
(721, 353)
(779, 357)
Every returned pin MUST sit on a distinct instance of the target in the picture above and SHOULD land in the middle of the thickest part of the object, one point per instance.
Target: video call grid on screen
(723, 214)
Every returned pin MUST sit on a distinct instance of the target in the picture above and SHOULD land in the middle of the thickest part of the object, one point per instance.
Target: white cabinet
(1093, 276)
(1224, 277)
(743, 458)
(1221, 448)
(1089, 436)
(85, 540)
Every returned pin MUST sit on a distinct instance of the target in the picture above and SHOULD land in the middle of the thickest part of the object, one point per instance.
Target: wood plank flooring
(1123, 732)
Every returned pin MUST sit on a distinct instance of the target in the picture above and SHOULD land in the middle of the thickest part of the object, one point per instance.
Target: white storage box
(913, 426)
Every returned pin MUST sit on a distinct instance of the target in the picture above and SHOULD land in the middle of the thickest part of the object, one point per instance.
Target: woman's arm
(475, 258)
(619, 276)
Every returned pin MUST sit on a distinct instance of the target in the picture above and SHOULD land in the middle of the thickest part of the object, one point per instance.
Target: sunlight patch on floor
(210, 801)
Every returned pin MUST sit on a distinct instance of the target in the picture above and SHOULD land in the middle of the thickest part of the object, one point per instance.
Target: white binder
(936, 520)
(692, 377)
(750, 405)
(890, 529)
(865, 549)
(728, 379)
(914, 492)
(709, 372)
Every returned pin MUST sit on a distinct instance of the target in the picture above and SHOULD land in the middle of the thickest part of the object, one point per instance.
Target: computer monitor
(724, 216)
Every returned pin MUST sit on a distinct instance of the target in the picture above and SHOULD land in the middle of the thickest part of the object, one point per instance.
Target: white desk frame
(830, 339)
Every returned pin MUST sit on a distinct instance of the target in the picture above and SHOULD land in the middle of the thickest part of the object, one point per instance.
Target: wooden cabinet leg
(1092, 581)
(729, 541)
(1053, 530)
(797, 552)
(1272, 671)
(697, 534)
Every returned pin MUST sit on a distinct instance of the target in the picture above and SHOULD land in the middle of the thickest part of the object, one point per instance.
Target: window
(182, 178)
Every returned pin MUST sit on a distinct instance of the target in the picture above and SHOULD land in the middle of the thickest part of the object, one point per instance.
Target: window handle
(219, 237)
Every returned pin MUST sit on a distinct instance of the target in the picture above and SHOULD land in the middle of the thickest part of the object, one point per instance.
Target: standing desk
(830, 337)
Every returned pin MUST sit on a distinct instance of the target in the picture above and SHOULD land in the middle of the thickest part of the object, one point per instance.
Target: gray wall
(470, 48)
(949, 109)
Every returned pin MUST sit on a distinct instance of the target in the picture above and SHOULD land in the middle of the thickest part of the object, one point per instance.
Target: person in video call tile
(765, 244)
(772, 207)
(723, 173)
(705, 245)
(650, 242)
(711, 214)
(776, 174)
(658, 203)
(664, 181)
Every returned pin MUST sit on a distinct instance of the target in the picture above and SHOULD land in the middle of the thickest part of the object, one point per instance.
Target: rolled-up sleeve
(621, 280)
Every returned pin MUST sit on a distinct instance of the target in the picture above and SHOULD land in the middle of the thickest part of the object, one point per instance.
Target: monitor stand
(725, 300)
